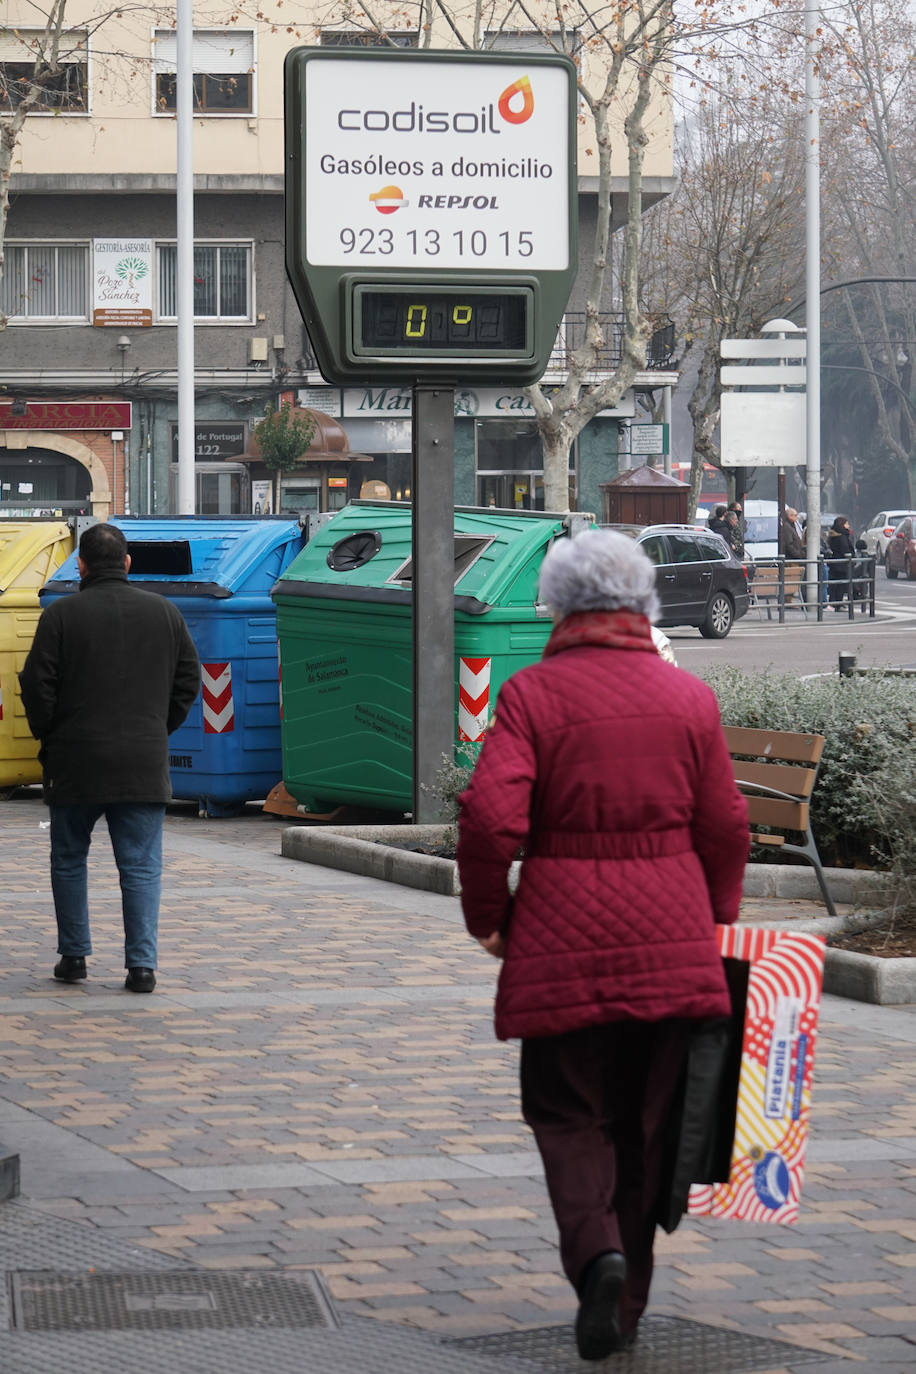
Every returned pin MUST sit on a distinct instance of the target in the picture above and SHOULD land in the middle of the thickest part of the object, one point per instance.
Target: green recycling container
(344, 630)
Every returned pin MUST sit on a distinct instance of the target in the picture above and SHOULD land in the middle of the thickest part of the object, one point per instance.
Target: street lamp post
(813, 290)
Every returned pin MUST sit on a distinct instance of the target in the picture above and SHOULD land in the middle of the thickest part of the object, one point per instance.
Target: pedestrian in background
(717, 522)
(111, 673)
(732, 534)
(609, 769)
(738, 534)
(839, 567)
(793, 544)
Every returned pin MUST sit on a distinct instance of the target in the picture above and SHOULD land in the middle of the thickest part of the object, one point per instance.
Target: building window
(355, 38)
(223, 66)
(65, 91)
(532, 40)
(45, 281)
(222, 281)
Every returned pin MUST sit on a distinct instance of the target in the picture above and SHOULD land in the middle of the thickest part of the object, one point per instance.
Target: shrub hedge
(863, 810)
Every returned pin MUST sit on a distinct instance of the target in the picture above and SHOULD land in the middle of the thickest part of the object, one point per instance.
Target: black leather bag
(701, 1129)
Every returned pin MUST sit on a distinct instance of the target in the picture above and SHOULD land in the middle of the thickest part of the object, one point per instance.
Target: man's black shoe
(598, 1323)
(140, 980)
(70, 969)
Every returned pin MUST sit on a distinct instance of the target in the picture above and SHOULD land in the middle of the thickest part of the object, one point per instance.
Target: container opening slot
(354, 550)
(159, 557)
(468, 548)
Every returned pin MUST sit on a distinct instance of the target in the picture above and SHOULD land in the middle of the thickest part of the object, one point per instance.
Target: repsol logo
(457, 203)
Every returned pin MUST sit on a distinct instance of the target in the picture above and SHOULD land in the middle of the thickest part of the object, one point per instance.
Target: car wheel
(889, 571)
(719, 617)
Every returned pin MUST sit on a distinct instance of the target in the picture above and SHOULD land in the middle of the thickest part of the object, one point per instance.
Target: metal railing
(840, 584)
(659, 351)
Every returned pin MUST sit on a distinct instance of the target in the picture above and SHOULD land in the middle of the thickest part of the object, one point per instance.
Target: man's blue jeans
(136, 838)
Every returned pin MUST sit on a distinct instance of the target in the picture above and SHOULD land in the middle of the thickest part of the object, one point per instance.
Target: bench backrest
(766, 581)
(781, 761)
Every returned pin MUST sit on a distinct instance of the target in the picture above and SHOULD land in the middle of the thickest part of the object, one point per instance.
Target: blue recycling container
(219, 573)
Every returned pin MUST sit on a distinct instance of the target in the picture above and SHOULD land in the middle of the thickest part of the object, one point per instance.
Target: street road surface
(802, 646)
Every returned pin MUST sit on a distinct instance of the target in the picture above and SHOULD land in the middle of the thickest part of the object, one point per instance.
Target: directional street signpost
(431, 232)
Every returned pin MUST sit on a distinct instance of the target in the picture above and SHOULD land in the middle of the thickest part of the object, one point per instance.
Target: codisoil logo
(515, 106)
(388, 199)
(520, 89)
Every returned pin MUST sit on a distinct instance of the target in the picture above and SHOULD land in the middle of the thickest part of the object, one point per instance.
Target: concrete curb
(367, 850)
(869, 978)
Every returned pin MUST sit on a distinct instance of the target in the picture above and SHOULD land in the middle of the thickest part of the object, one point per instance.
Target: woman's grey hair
(599, 570)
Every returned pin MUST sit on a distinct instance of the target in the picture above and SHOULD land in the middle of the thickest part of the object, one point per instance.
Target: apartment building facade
(88, 358)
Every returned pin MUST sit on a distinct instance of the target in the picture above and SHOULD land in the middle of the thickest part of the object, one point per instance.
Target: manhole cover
(666, 1345)
(179, 1300)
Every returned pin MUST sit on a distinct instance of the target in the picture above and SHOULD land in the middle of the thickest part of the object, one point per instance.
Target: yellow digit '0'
(416, 321)
(461, 314)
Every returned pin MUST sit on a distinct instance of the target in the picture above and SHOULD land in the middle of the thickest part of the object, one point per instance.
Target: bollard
(847, 664)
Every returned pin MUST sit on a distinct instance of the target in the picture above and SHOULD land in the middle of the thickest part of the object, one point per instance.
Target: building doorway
(40, 481)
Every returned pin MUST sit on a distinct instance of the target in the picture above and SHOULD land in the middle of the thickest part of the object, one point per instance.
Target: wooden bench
(764, 588)
(776, 772)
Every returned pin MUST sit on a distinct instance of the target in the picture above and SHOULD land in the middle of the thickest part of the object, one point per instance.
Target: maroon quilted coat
(609, 767)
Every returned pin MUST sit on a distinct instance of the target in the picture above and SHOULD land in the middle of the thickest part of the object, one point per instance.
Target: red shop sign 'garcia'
(67, 415)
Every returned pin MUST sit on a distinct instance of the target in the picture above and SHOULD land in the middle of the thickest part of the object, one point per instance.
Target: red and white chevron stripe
(216, 694)
(473, 698)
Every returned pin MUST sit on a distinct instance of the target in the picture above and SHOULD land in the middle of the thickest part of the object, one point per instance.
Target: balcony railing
(659, 351)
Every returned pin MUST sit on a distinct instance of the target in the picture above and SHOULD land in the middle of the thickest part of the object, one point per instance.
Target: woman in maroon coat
(608, 767)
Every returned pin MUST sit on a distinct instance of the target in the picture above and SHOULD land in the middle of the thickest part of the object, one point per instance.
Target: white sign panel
(762, 429)
(413, 165)
(122, 282)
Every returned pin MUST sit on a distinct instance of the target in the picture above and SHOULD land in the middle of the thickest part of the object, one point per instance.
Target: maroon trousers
(597, 1101)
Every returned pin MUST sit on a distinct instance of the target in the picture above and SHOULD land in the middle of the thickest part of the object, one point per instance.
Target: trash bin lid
(196, 556)
(22, 544)
(364, 554)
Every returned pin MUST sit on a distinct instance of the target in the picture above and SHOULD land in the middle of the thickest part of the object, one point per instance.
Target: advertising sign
(122, 283)
(774, 1086)
(419, 163)
(106, 415)
(431, 209)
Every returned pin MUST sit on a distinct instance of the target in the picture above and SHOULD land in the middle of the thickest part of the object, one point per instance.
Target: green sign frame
(431, 235)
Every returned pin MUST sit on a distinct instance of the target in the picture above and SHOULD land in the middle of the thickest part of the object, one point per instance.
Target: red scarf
(607, 629)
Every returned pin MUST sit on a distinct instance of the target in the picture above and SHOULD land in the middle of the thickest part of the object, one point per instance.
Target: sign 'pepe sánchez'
(418, 238)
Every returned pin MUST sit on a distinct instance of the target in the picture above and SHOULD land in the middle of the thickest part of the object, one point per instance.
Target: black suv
(699, 580)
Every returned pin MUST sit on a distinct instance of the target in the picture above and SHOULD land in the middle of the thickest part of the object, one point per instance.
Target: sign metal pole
(433, 548)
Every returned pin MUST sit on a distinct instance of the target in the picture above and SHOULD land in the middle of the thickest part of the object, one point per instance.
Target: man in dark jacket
(111, 673)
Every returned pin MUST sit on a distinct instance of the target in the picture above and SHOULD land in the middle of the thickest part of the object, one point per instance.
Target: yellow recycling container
(30, 551)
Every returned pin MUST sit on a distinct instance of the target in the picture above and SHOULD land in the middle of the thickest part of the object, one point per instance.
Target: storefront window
(510, 466)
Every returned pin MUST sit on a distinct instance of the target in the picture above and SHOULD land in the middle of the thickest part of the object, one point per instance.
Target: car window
(683, 549)
(653, 546)
(711, 548)
(879, 520)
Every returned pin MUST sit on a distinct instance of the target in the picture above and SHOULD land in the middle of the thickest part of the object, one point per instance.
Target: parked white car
(880, 530)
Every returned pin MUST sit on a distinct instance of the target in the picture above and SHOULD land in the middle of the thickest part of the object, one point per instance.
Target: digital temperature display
(403, 321)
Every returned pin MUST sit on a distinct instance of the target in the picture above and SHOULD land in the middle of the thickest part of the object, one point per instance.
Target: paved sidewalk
(314, 1086)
